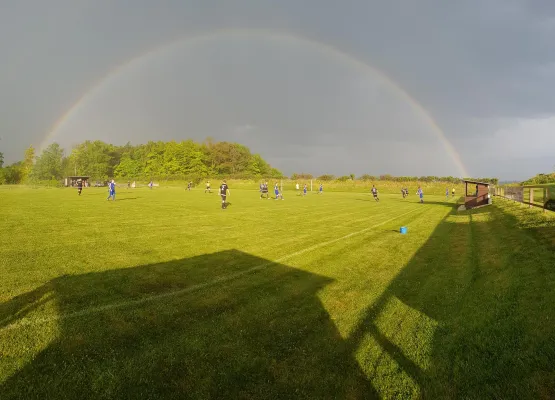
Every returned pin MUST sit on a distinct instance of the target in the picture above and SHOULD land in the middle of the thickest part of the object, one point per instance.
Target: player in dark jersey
(265, 191)
(224, 192)
(207, 187)
(79, 186)
(189, 185)
(375, 193)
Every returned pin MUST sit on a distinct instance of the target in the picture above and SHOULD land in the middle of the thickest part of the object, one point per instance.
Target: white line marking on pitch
(92, 310)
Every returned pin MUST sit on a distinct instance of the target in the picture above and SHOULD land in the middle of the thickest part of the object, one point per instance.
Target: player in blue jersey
(277, 192)
(112, 190)
(305, 189)
(321, 190)
(447, 194)
(420, 194)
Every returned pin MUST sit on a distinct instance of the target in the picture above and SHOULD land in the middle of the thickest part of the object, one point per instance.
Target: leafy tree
(49, 163)
(301, 176)
(275, 173)
(28, 162)
(12, 174)
(127, 167)
(93, 158)
(1, 159)
(326, 177)
(171, 160)
(257, 166)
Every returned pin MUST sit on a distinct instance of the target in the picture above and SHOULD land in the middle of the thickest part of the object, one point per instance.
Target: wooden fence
(542, 196)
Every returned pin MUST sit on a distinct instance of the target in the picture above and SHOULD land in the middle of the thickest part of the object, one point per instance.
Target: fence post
(531, 197)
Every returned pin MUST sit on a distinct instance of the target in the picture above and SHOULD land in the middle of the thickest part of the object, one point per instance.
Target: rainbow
(323, 47)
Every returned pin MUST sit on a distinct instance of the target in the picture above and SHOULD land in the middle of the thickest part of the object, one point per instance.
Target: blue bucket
(403, 230)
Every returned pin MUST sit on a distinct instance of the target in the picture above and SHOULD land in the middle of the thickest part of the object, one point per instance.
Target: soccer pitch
(162, 294)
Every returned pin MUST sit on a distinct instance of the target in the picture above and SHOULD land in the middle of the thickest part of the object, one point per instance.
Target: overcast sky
(305, 83)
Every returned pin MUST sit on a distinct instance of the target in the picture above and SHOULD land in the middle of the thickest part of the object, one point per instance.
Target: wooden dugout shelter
(477, 194)
(71, 181)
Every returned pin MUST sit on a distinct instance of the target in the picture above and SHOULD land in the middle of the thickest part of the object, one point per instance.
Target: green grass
(358, 186)
(162, 294)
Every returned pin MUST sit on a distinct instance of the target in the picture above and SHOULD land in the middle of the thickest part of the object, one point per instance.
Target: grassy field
(358, 186)
(162, 294)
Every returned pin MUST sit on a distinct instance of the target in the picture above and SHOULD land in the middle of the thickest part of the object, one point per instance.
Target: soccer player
(375, 193)
(224, 192)
(189, 185)
(453, 192)
(277, 193)
(128, 184)
(112, 190)
(420, 194)
(79, 186)
(265, 191)
(151, 184)
(297, 187)
(305, 189)
(447, 194)
(207, 187)
(321, 191)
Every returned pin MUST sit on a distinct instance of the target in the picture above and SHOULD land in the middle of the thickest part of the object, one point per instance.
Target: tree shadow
(162, 331)
(487, 287)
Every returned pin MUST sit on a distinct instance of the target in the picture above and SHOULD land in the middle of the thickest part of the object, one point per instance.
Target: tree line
(541, 179)
(391, 178)
(187, 160)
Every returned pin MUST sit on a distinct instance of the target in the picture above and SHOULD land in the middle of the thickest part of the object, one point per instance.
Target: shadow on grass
(470, 316)
(488, 288)
(149, 332)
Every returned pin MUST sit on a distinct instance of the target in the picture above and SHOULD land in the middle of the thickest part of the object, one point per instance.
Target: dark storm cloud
(484, 69)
